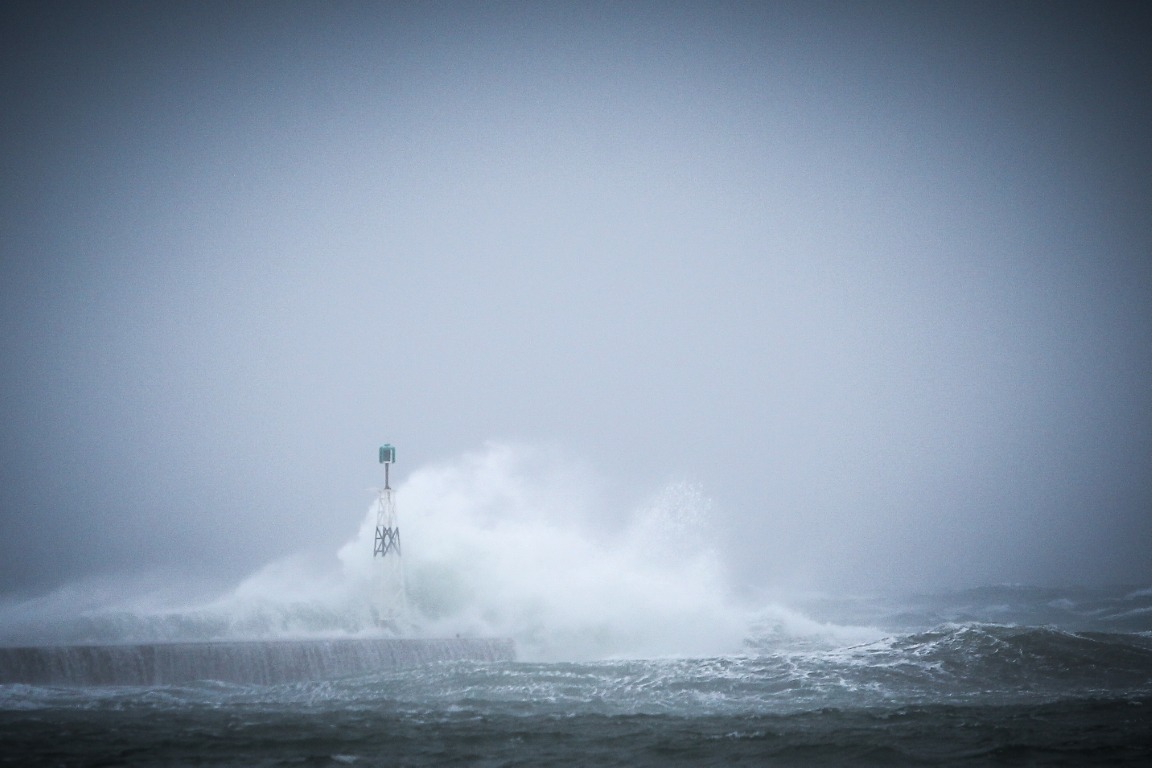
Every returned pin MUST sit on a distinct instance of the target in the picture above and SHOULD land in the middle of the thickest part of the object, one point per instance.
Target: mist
(874, 280)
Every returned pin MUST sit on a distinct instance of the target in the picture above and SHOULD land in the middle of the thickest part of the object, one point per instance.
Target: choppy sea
(1002, 675)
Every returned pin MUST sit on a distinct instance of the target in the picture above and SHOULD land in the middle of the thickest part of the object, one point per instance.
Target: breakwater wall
(259, 662)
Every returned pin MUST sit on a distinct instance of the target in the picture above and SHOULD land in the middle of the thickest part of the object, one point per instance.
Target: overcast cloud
(877, 276)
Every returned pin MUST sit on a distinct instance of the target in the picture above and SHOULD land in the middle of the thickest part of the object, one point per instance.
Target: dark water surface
(1072, 733)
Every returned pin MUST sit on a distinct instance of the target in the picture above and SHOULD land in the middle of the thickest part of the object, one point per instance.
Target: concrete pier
(256, 662)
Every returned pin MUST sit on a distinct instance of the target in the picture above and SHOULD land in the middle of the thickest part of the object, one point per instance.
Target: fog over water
(870, 285)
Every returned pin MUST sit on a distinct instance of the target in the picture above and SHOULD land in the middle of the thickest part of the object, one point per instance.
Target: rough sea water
(963, 678)
(625, 656)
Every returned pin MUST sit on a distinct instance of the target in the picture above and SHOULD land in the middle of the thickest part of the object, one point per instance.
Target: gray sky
(878, 276)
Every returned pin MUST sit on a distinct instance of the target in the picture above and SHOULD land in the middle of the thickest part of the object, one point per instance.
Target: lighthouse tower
(391, 601)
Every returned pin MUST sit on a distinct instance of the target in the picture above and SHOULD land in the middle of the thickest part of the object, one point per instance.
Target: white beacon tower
(391, 603)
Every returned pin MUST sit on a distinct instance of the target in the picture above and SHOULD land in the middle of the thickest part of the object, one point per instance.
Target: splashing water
(500, 542)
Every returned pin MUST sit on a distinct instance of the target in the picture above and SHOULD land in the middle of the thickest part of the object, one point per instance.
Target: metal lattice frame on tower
(391, 597)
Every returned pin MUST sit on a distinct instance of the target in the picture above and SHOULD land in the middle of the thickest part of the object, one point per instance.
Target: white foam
(508, 541)
(502, 542)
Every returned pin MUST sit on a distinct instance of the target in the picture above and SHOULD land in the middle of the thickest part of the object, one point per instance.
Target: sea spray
(503, 542)
(509, 541)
